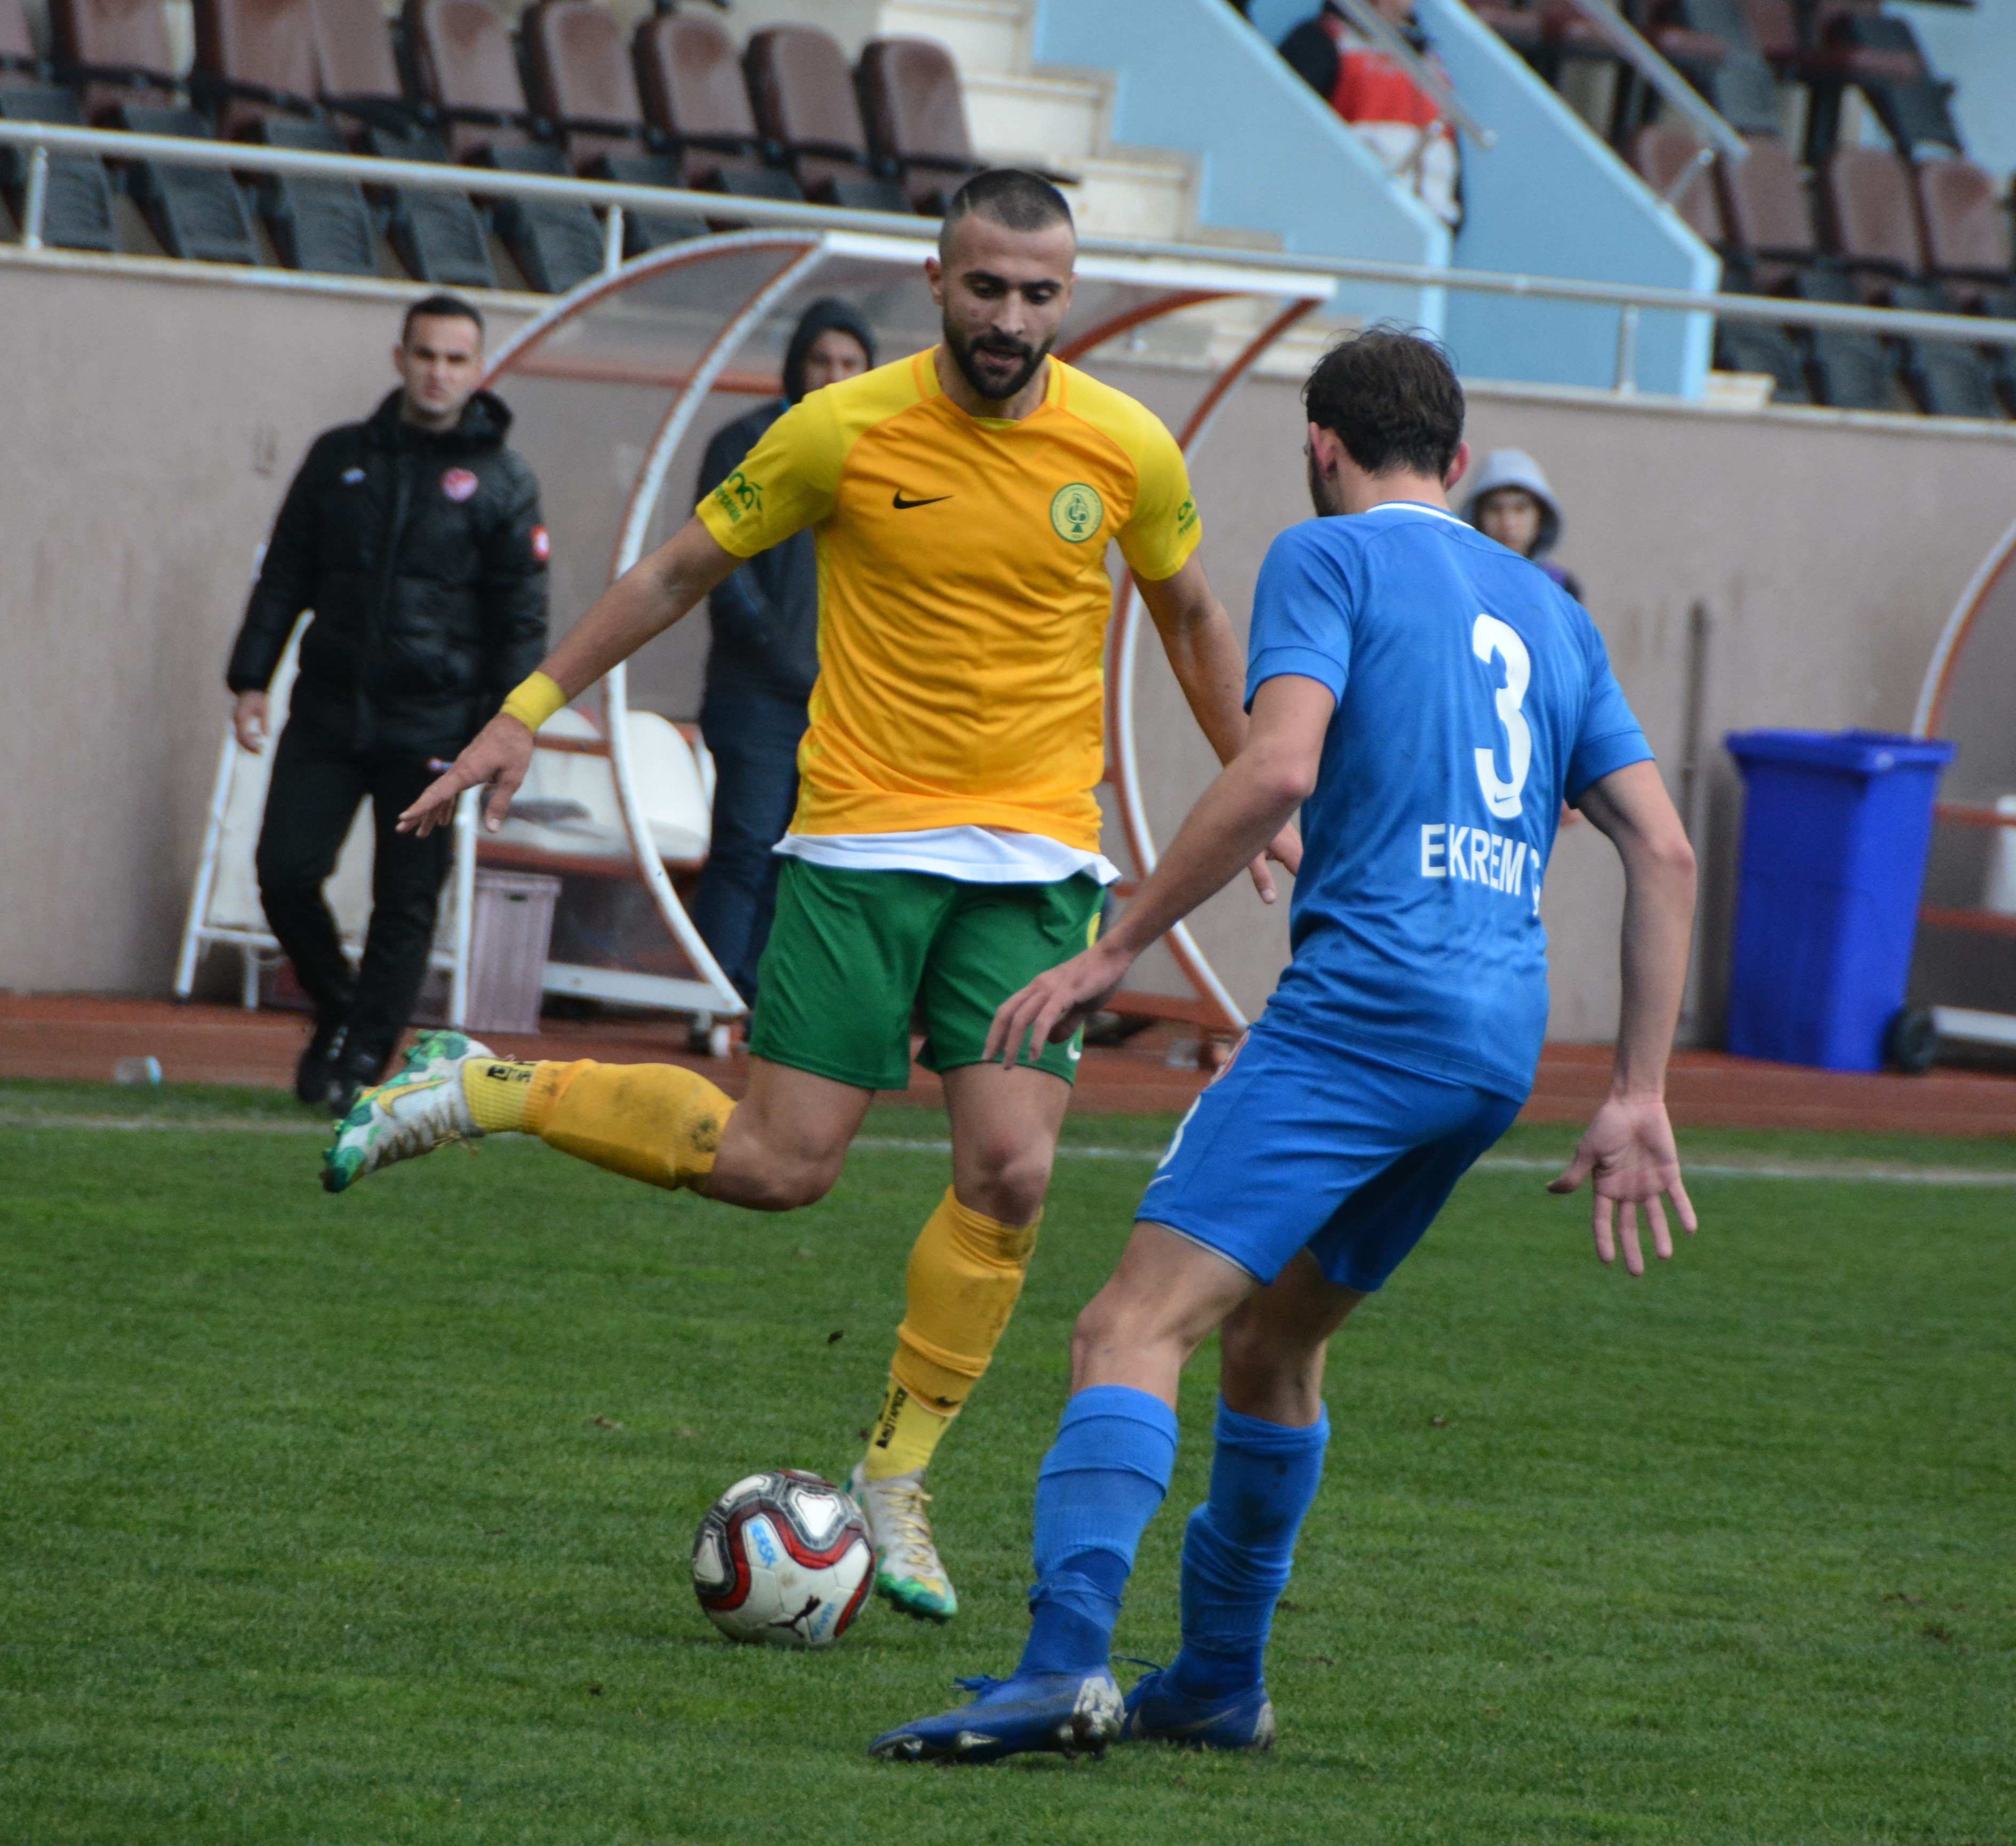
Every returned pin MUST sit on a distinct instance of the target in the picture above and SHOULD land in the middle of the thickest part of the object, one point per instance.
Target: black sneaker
(356, 1070)
(316, 1071)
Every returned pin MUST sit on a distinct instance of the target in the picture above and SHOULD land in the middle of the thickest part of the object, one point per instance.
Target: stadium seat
(462, 56)
(1514, 21)
(1871, 217)
(1764, 206)
(803, 95)
(252, 57)
(76, 207)
(690, 76)
(1740, 84)
(1967, 242)
(1660, 156)
(439, 236)
(1850, 371)
(1948, 377)
(1914, 106)
(581, 81)
(256, 67)
(120, 52)
(915, 115)
(1814, 51)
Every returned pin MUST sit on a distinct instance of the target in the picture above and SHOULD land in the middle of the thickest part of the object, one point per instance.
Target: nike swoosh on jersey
(904, 505)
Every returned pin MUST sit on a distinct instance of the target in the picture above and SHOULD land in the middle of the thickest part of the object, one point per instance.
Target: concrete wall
(153, 425)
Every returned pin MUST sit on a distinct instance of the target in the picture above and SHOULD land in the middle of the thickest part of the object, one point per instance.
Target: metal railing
(1633, 299)
(1709, 127)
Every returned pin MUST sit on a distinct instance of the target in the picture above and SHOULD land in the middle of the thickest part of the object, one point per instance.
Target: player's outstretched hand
(500, 754)
(1285, 849)
(1628, 1151)
(1055, 1005)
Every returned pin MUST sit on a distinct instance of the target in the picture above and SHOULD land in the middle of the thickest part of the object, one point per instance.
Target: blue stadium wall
(1550, 199)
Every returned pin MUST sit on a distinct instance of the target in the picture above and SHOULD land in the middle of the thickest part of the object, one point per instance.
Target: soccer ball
(784, 1559)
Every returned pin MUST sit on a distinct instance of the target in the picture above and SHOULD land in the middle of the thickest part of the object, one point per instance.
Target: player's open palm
(1629, 1156)
(500, 754)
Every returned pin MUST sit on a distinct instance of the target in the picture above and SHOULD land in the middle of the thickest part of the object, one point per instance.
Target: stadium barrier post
(35, 206)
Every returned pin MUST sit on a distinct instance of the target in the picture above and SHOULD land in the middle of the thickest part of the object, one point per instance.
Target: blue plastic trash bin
(1835, 829)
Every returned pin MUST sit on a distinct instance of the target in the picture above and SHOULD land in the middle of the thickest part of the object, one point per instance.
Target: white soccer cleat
(421, 1108)
(909, 1575)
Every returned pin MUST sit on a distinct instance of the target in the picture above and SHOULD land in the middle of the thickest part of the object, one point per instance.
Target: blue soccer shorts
(1302, 1144)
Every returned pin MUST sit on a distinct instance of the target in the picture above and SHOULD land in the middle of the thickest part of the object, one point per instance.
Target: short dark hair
(1021, 201)
(438, 308)
(1391, 397)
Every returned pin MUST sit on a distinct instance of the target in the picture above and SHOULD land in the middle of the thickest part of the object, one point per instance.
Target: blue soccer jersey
(1474, 696)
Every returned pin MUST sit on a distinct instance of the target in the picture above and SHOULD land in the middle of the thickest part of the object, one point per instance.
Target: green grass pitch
(366, 1519)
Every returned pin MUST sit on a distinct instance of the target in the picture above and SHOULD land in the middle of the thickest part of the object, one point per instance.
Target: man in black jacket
(761, 661)
(415, 537)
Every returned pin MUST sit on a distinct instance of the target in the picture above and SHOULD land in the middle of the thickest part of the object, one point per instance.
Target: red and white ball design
(783, 1558)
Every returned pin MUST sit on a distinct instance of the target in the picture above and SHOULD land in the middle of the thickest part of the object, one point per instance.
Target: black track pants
(317, 784)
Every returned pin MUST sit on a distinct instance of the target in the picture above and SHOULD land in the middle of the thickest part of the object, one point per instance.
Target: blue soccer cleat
(1068, 1714)
(1156, 1713)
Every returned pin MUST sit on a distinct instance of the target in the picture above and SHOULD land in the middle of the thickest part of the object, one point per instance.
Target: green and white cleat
(422, 1107)
(909, 1575)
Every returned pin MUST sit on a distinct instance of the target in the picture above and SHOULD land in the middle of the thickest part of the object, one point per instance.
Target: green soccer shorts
(853, 956)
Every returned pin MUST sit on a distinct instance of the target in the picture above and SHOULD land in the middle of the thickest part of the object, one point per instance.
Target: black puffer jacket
(425, 563)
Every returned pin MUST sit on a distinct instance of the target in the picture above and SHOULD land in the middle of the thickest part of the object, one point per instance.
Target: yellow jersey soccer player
(945, 848)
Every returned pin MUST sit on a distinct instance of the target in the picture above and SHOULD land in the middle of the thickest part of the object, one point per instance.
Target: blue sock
(1100, 1486)
(1239, 1546)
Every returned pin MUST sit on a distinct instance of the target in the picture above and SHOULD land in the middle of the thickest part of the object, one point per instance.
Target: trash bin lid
(1863, 753)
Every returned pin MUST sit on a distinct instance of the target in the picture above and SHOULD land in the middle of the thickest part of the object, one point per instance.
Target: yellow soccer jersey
(964, 594)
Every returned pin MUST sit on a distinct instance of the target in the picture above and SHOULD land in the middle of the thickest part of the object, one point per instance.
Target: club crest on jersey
(458, 484)
(1077, 512)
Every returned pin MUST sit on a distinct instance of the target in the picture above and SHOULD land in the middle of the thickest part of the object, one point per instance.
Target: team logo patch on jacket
(542, 543)
(459, 484)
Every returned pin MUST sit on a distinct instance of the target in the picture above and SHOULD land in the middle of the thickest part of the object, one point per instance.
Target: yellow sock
(658, 1123)
(965, 1272)
(497, 1090)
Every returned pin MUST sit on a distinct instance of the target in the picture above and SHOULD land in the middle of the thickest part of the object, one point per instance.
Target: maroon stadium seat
(120, 50)
(18, 65)
(803, 94)
(461, 54)
(1870, 215)
(915, 117)
(1515, 22)
(689, 76)
(1660, 155)
(1764, 206)
(581, 77)
(252, 56)
(357, 75)
(1966, 228)
(580, 72)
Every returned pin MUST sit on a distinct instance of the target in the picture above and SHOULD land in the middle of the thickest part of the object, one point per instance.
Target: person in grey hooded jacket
(761, 661)
(1510, 502)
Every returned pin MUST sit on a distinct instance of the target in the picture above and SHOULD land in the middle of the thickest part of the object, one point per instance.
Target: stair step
(1063, 119)
(988, 38)
(1119, 195)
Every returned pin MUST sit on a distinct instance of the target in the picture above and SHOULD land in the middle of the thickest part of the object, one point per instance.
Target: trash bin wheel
(1911, 1040)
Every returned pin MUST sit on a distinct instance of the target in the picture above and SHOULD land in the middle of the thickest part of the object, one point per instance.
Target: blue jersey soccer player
(1429, 699)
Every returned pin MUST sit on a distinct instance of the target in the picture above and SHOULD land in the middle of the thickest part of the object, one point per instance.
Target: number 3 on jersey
(1488, 637)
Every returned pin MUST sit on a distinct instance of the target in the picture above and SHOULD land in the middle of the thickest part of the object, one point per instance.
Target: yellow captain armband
(534, 701)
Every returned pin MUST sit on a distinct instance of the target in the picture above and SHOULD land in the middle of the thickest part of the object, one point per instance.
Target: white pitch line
(1496, 1163)
(1509, 1163)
